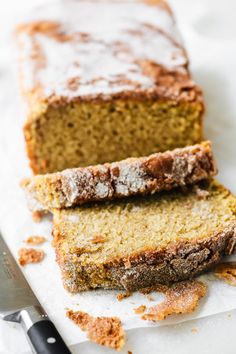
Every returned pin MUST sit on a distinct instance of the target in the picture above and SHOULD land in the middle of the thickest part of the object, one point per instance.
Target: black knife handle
(45, 338)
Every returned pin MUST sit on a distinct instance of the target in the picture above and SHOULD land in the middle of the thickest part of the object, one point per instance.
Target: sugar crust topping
(82, 49)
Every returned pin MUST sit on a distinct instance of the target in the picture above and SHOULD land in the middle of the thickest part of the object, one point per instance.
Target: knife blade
(19, 304)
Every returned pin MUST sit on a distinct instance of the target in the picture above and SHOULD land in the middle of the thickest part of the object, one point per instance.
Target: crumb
(98, 239)
(229, 315)
(194, 330)
(201, 193)
(30, 255)
(122, 296)
(107, 331)
(227, 272)
(182, 297)
(35, 240)
(37, 216)
(129, 352)
(140, 309)
(149, 297)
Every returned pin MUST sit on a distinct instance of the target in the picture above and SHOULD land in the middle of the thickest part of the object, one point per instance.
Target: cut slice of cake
(142, 241)
(105, 80)
(133, 176)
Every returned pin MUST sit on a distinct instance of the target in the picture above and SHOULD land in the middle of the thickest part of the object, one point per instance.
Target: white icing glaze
(120, 34)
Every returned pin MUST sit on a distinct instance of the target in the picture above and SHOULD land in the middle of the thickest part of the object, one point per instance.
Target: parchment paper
(214, 73)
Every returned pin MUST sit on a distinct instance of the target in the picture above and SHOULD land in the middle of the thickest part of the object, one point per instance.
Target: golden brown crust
(107, 331)
(30, 255)
(180, 298)
(134, 176)
(227, 272)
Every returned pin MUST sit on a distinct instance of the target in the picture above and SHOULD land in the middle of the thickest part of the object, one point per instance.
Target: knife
(19, 304)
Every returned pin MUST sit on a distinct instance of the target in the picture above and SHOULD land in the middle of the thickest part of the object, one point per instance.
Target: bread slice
(133, 176)
(136, 243)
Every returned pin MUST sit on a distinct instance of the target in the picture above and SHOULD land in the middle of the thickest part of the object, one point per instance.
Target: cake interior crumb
(127, 130)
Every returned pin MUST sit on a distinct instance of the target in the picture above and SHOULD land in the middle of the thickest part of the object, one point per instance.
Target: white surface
(209, 32)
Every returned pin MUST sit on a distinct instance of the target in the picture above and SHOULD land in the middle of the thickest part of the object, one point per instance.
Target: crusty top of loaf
(93, 50)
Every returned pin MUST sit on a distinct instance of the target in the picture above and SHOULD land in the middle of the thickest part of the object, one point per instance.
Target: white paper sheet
(215, 74)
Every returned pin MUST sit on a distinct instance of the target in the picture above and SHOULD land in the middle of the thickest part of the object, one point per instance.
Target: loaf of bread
(133, 176)
(105, 80)
(142, 241)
